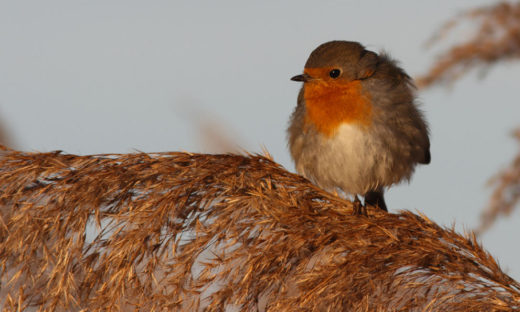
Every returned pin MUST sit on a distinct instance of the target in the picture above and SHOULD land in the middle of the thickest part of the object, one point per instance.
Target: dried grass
(188, 232)
(497, 38)
(506, 194)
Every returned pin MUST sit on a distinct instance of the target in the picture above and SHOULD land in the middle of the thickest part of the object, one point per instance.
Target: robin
(356, 127)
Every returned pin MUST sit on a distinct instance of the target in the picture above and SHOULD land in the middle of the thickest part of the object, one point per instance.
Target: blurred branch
(215, 135)
(497, 38)
(178, 231)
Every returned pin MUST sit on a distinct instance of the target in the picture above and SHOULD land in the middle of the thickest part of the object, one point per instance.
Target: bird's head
(332, 85)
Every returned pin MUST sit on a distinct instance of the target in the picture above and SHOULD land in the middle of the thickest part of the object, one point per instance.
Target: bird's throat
(331, 103)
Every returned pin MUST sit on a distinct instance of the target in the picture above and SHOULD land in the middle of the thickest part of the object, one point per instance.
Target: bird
(357, 127)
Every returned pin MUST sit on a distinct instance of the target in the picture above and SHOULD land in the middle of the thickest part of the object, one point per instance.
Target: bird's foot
(359, 209)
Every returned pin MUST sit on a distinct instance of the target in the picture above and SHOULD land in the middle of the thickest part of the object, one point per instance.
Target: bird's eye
(334, 73)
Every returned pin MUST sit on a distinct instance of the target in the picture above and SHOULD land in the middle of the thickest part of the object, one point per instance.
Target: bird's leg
(357, 206)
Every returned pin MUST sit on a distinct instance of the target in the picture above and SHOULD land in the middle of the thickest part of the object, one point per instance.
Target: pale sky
(115, 76)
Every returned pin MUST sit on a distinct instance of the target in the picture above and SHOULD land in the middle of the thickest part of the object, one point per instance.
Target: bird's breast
(331, 104)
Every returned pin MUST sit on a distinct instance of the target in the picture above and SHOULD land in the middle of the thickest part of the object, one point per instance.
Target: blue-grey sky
(114, 76)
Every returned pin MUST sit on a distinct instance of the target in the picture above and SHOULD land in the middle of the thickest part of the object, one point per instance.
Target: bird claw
(359, 209)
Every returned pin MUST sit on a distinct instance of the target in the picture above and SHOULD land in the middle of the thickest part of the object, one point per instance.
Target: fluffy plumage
(360, 131)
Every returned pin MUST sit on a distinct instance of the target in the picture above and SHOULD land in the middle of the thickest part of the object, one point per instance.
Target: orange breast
(330, 103)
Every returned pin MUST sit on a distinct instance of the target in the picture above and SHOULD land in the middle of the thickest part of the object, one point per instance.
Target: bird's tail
(376, 198)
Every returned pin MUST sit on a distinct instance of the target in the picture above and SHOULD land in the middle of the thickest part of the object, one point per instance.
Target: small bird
(356, 127)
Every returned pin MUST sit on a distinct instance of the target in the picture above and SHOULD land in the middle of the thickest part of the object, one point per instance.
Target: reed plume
(506, 193)
(195, 232)
(497, 38)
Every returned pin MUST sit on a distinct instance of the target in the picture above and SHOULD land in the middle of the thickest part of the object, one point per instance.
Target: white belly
(354, 160)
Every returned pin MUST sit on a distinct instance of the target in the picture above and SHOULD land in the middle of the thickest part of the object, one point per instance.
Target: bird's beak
(303, 78)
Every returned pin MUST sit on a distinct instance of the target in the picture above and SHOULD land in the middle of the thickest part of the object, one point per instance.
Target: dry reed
(506, 194)
(497, 38)
(188, 232)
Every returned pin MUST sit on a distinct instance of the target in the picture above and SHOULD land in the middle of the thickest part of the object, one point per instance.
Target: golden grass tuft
(188, 232)
(497, 38)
